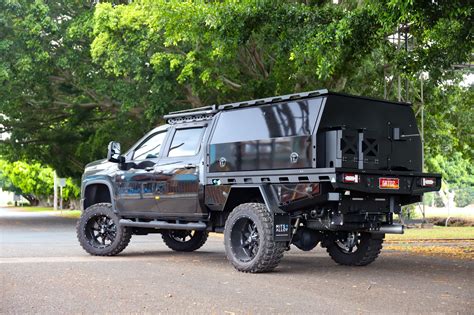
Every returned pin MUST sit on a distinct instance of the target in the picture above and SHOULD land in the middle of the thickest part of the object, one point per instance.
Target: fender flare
(266, 192)
(282, 229)
(99, 182)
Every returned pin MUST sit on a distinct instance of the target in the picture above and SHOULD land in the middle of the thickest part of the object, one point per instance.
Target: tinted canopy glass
(268, 121)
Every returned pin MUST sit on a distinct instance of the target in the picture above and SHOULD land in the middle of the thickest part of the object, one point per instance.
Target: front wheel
(184, 241)
(249, 241)
(355, 248)
(99, 232)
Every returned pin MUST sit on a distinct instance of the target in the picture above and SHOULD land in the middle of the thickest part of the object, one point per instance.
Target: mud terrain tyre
(249, 241)
(99, 233)
(184, 241)
(355, 249)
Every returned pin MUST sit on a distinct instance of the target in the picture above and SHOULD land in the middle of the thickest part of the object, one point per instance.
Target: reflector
(350, 178)
(428, 182)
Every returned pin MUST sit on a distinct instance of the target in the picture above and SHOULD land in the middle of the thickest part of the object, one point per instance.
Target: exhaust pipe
(390, 229)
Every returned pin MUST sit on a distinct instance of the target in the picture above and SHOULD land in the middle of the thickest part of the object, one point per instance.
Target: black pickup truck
(302, 169)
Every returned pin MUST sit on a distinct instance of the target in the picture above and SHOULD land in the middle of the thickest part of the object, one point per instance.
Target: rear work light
(350, 178)
(428, 182)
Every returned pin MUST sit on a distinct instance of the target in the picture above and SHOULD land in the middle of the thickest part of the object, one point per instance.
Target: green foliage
(455, 170)
(433, 199)
(464, 195)
(450, 123)
(75, 76)
(5, 182)
(59, 106)
(442, 31)
(33, 180)
(408, 212)
(29, 178)
(225, 51)
(458, 172)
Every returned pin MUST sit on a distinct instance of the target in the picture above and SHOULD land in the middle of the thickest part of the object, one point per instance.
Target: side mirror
(113, 153)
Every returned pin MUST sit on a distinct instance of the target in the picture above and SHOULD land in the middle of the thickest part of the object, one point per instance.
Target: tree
(33, 181)
(76, 76)
(58, 105)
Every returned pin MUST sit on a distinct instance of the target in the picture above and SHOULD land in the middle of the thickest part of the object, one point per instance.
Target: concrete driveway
(44, 270)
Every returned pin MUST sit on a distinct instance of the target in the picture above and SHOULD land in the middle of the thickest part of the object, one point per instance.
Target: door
(137, 186)
(180, 167)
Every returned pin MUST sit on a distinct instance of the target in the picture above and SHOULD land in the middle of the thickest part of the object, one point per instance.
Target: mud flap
(281, 227)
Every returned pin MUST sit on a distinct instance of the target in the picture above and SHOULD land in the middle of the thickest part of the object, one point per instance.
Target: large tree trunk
(74, 204)
(44, 203)
(31, 199)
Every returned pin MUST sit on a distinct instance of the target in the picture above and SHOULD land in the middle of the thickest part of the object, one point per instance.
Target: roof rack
(206, 112)
(275, 99)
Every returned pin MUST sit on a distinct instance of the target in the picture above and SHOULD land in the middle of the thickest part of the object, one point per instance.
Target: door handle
(149, 169)
(190, 166)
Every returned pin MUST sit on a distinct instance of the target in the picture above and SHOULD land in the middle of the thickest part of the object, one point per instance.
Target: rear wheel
(355, 248)
(99, 233)
(184, 241)
(249, 240)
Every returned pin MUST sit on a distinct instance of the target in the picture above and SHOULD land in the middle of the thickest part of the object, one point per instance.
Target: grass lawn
(65, 213)
(72, 214)
(35, 209)
(437, 232)
(423, 242)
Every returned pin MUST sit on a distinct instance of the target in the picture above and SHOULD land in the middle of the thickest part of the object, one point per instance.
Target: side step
(164, 225)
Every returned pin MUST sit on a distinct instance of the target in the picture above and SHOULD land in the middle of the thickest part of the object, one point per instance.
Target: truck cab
(303, 169)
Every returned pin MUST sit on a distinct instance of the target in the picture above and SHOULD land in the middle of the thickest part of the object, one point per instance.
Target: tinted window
(269, 121)
(151, 147)
(185, 142)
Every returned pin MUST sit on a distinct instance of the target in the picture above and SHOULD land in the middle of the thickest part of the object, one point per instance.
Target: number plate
(389, 183)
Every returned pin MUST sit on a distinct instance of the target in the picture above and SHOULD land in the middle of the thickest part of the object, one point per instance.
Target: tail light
(428, 182)
(350, 178)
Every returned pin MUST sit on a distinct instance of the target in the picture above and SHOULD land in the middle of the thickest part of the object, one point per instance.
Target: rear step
(164, 225)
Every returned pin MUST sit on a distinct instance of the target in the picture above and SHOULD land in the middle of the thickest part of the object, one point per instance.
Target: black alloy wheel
(245, 239)
(355, 248)
(249, 241)
(99, 232)
(348, 241)
(184, 240)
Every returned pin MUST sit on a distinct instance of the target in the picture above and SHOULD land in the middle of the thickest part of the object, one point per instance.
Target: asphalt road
(44, 270)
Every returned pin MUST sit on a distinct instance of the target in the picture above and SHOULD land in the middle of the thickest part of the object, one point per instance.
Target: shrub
(441, 221)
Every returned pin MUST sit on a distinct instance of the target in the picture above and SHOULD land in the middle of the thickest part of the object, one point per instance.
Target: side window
(150, 148)
(186, 142)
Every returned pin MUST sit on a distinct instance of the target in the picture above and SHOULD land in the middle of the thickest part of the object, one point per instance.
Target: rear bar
(387, 182)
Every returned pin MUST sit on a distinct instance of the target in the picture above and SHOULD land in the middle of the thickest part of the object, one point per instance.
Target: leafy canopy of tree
(74, 76)
(60, 108)
(450, 126)
(33, 181)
